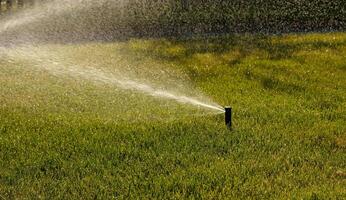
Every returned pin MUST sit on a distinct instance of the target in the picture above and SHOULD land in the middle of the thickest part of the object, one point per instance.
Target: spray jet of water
(45, 60)
(94, 74)
(49, 9)
(42, 59)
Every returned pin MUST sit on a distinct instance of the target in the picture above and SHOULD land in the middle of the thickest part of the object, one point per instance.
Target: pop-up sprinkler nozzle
(228, 117)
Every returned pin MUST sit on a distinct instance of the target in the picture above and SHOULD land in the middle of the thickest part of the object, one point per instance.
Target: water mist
(23, 35)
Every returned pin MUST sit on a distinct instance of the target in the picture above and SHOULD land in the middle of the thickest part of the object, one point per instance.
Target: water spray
(43, 57)
(228, 117)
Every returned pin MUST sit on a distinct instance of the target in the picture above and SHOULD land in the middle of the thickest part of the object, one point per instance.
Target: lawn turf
(68, 138)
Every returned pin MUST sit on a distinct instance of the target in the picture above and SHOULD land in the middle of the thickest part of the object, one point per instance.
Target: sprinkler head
(228, 117)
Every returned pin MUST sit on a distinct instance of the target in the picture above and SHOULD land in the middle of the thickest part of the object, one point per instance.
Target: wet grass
(62, 138)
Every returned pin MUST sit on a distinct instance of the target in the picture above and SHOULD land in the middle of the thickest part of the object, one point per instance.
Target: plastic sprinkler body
(228, 117)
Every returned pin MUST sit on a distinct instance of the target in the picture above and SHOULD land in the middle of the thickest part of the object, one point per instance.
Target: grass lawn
(71, 138)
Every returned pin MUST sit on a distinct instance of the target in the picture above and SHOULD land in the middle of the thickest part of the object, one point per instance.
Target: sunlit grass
(67, 138)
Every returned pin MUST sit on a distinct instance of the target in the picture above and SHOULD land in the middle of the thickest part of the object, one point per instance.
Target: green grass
(73, 139)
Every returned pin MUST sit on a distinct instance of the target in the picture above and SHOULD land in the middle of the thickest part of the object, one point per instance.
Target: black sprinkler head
(228, 117)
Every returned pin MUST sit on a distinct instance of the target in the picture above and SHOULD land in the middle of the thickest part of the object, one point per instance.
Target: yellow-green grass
(62, 137)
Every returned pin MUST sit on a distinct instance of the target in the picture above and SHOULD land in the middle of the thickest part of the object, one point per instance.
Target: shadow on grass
(277, 85)
(269, 82)
(244, 45)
